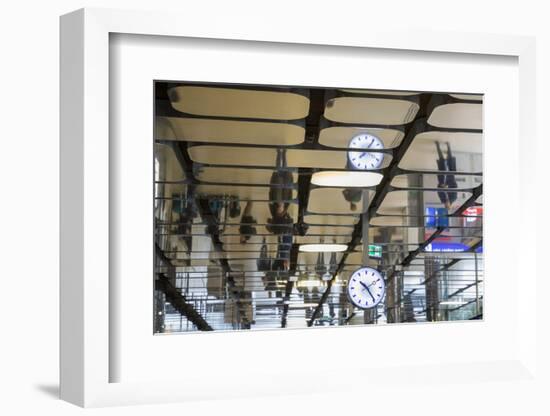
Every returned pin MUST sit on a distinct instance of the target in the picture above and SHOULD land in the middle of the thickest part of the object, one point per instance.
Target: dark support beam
(418, 125)
(412, 254)
(442, 269)
(165, 283)
(178, 301)
(452, 262)
(289, 285)
(164, 259)
(294, 251)
(180, 150)
(213, 228)
(461, 290)
(313, 129)
(466, 304)
(322, 301)
(476, 246)
(476, 193)
(454, 294)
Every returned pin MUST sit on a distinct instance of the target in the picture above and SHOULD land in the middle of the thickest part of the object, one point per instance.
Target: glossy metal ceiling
(217, 148)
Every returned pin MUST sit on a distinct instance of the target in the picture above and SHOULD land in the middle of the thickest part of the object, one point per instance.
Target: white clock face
(365, 160)
(366, 288)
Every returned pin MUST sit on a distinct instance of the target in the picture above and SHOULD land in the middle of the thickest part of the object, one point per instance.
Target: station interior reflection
(267, 199)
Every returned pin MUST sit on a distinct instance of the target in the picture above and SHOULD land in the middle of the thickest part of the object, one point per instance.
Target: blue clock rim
(360, 150)
(383, 284)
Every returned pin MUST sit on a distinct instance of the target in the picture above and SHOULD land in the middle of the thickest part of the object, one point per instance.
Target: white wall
(29, 208)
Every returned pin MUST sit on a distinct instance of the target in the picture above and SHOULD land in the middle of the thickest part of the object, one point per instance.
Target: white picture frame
(87, 356)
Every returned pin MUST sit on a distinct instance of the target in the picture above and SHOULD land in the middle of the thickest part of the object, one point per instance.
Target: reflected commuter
(446, 181)
(280, 193)
(246, 229)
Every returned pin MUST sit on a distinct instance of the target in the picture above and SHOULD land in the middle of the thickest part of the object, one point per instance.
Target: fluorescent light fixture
(346, 179)
(324, 248)
(308, 283)
(452, 302)
(301, 305)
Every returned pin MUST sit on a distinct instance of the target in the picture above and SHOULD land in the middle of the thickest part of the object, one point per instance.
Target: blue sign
(436, 217)
(449, 247)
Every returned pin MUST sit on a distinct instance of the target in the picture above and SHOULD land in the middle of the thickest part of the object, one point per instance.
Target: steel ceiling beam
(178, 301)
(186, 164)
(458, 212)
(313, 129)
(165, 284)
(411, 130)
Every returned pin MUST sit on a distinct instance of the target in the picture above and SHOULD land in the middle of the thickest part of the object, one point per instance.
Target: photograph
(286, 208)
(282, 207)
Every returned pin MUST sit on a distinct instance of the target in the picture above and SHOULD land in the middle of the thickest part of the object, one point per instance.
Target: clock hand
(368, 290)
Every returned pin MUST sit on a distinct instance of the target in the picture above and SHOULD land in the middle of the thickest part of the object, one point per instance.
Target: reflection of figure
(281, 263)
(280, 193)
(273, 266)
(446, 181)
(353, 196)
(234, 207)
(320, 267)
(264, 261)
(280, 223)
(247, 229)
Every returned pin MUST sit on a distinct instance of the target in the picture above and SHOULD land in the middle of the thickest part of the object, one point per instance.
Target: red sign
(471, 215)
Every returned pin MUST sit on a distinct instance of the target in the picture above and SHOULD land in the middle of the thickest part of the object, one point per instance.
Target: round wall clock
(366, 287)
(365, 160)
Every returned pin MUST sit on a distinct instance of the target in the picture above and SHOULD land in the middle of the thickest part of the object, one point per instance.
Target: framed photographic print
(304, 211)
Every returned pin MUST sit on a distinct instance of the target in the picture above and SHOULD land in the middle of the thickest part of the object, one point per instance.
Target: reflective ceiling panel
(457, 116)
(229, 131)
(361, 110)
(238, 102)
(267, 157)
(338, 136)
(236, 175)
